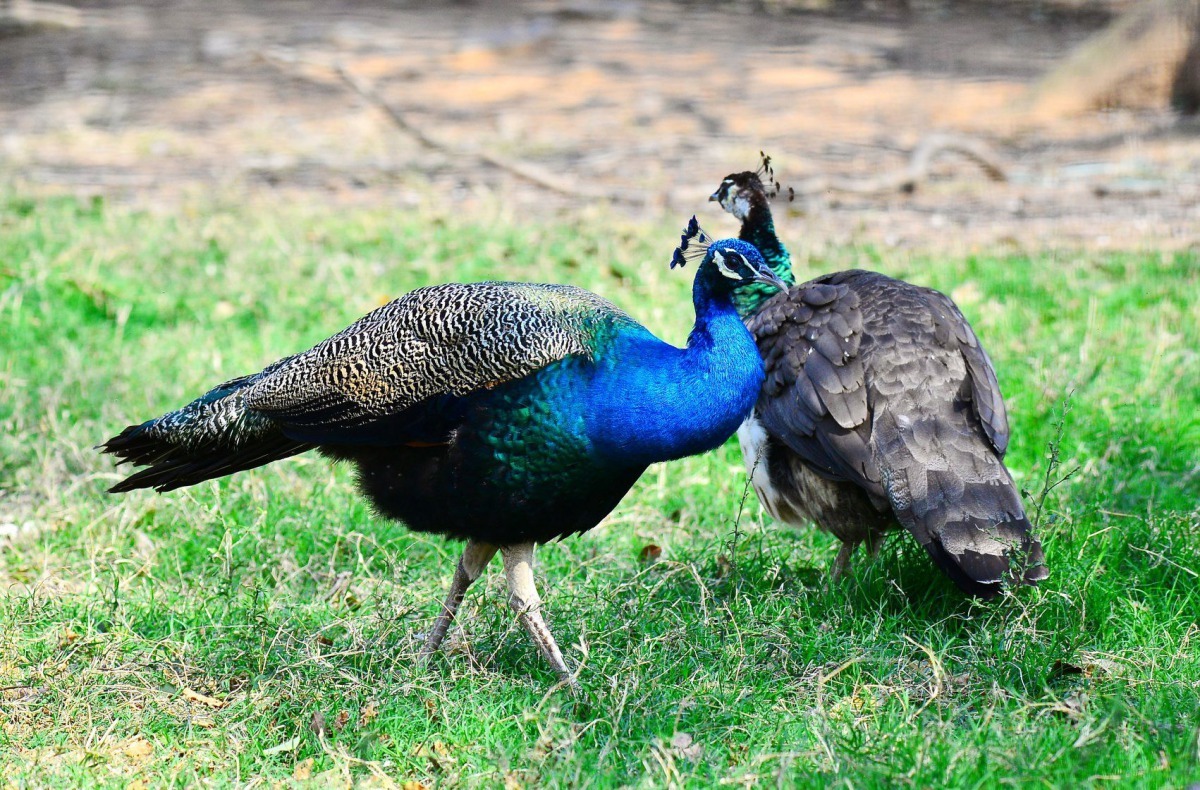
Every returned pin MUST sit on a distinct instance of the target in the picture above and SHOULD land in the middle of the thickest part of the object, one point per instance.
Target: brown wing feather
(883, 384)
(815, 397)
(986, 400)
(820, 377)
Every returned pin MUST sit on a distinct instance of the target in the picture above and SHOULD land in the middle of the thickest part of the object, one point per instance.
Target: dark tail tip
(985, 576)
(171, 465)
(136, 445)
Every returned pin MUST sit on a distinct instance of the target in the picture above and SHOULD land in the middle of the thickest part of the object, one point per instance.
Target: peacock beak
(768, 277)
(714, 197)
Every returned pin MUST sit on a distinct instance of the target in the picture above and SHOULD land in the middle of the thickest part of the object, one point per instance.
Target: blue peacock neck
(759, 229)
(660, 403)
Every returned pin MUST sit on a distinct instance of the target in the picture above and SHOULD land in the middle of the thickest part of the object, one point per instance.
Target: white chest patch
(753, 439)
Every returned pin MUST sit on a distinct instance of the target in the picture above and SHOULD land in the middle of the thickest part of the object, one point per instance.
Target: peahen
(501, 414)
(879, 410)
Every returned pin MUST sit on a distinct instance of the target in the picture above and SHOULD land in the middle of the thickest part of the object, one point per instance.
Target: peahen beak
(768, 277)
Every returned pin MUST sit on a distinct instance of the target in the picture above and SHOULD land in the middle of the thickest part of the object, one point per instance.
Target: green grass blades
(264, 627)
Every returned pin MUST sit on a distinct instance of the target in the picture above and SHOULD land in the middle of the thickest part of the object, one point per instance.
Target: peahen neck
(660, 403)
(759, 229)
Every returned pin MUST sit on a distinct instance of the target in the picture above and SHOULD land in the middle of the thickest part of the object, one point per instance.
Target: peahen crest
(766, 174)
(765, 170)
(693, 244)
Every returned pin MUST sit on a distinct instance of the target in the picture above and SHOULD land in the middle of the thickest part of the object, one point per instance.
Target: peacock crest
(693, 244)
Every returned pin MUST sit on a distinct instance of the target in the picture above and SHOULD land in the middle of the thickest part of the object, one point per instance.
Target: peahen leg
(524, 599)
(841, 564)
(475, 558)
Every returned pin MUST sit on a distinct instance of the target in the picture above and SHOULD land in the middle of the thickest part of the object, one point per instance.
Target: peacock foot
(525, 602)
(523, 598)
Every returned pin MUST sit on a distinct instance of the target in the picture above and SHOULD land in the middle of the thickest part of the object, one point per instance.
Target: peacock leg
(524, 599)
(841, 564)
(475, 558)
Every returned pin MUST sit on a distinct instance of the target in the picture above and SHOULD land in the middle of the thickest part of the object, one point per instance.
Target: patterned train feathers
(432, 341)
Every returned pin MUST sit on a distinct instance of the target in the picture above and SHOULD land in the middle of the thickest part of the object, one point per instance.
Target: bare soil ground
(642, 104)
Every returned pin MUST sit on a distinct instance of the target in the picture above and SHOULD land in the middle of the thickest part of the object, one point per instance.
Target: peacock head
(724, 264)
(741, 193)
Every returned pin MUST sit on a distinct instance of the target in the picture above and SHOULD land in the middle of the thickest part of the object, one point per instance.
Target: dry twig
(522, 170)
(917, 170)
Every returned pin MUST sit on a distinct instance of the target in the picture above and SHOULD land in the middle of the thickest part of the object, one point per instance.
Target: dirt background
(546, 107)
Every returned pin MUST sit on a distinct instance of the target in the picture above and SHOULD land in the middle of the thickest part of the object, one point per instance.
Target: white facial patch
(723, 267)
(729, 196)
(740, 206)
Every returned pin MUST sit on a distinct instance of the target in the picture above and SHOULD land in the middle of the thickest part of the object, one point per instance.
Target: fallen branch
(32, 13)
(522, 170)
(919, 164)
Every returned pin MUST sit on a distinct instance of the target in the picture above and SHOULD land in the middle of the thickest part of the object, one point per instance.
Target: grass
(261, 629)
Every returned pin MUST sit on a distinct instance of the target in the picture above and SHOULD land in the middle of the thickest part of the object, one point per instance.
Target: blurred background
(917, 123)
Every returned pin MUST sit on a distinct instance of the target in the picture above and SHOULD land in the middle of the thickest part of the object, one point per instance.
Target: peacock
(501, 414)
(880, 409)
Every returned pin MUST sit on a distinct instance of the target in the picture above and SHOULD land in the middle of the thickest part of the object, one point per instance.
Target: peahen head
(745, 196)
(724, 264)
(741, 193)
